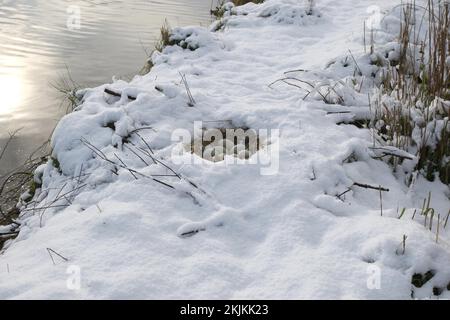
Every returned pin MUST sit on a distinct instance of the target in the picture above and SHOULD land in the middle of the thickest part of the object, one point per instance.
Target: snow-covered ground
(275, 229)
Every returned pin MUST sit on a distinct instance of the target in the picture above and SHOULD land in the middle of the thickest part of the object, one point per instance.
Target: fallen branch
(361, 185)
(366, 186)
(339, 196)
(191, 233)
(295, 70)
(338, 112)
(118, 94)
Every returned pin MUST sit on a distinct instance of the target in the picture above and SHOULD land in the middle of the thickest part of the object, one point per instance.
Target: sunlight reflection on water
(36, 47)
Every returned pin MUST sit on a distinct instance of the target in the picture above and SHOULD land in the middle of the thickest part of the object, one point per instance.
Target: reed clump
(412, 104)
(18, 187)
(164, 40)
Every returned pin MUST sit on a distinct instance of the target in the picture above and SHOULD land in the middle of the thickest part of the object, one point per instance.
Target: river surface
(94, 39)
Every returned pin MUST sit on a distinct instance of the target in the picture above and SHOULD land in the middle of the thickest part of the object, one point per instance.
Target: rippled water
(37, 47)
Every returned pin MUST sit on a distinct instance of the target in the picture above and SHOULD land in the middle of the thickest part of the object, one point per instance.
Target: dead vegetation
(163, 41)
(18, 186)
(68, 88)
(412, 106)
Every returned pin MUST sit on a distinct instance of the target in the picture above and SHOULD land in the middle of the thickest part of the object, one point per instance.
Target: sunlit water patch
(94, 39)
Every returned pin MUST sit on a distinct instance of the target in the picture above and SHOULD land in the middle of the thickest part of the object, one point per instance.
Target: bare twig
(123, 166)
(118, 94)
(446, 219)
(339, 196)
(51, 252)
(12, 135)
(366, 186)
(381, 202)
(191, 102)
(438, 226)
(356, 63)
(145, 142)
(136, 154)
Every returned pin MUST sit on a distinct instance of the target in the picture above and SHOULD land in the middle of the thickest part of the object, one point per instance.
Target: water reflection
(11, 91)
(36, 47)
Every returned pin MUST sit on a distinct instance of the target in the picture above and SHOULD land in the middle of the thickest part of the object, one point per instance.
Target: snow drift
(131, 223)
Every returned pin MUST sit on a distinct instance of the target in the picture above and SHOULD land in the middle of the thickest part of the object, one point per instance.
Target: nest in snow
(216, 143)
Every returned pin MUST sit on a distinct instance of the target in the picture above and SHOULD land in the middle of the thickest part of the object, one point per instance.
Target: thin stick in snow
(11, 137)
(404, 243)
(124, 165)
(339, 196)
(118, 94)
(136, 154)
(338, 112)
(402, 250)
(364, 27)
(366, 186)
(145, 142)
(431, 219)
(438, 226)
(121, 165)
(446, 219)
(51, 252)
(356, 63)
(191, 233)
(381, 202)
(145, 152)
(157, 161)
(140, 129)
(191, 102)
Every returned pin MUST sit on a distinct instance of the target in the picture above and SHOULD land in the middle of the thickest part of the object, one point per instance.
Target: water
(40, 39)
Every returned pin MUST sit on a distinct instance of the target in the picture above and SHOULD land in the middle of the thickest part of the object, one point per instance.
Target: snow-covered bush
(189, 38)
(256, 11)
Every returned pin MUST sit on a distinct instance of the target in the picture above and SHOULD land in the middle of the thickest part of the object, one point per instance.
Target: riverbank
(125, 210)
(37, 47)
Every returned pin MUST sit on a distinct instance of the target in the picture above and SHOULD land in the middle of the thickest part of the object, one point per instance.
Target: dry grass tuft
(412, 108)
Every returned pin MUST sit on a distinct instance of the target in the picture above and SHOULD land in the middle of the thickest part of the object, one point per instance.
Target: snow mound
(193, 38)
(286, 12)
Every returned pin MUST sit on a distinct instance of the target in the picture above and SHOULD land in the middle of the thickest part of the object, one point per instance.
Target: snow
(224, 230)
